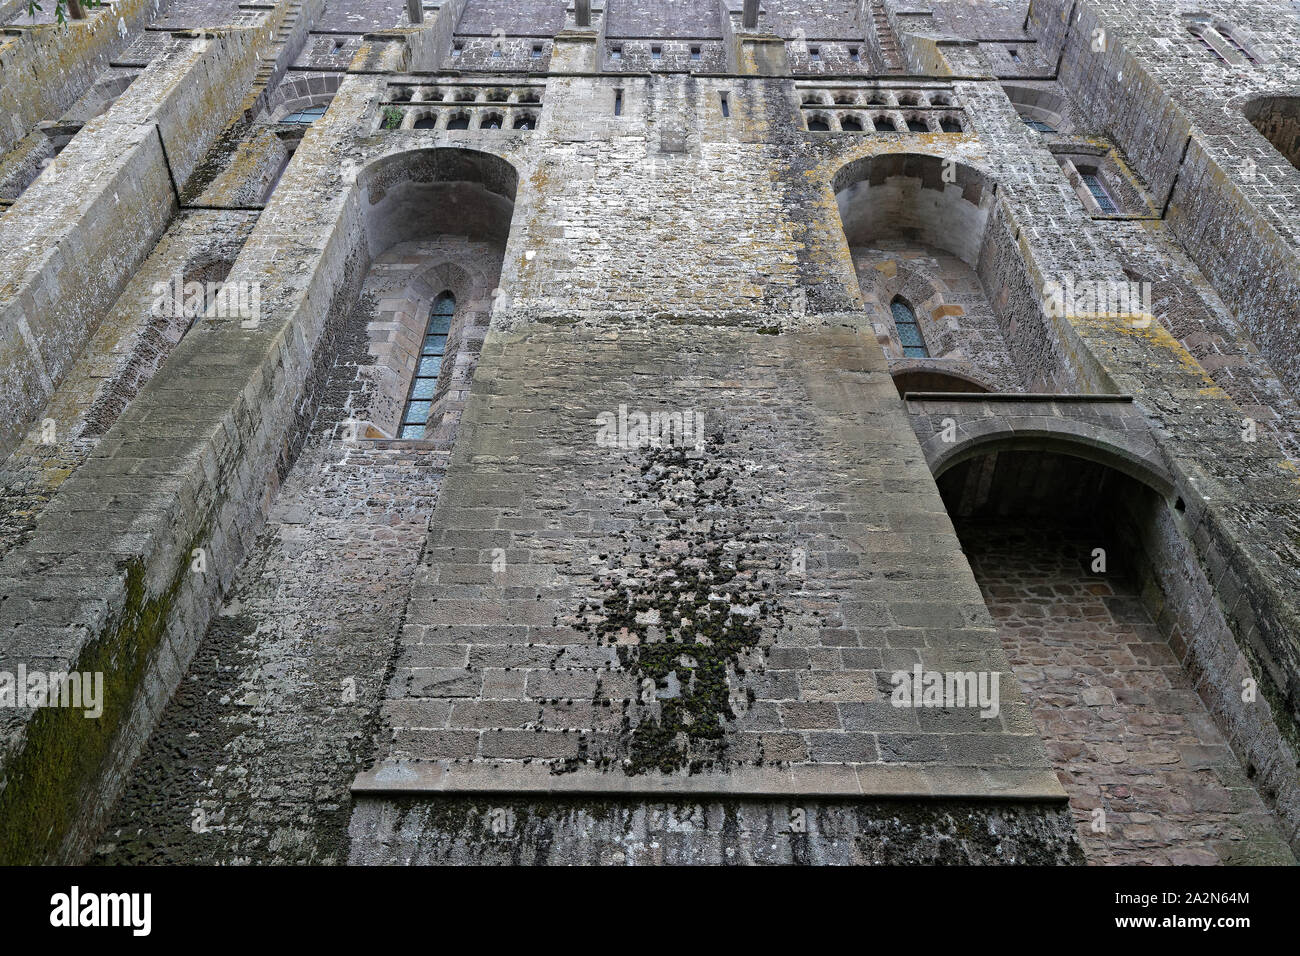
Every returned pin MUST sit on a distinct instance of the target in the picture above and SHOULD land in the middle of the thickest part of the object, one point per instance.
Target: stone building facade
(526, 431)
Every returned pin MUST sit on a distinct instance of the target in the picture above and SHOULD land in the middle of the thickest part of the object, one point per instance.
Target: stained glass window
(909, 333)
(432, 352)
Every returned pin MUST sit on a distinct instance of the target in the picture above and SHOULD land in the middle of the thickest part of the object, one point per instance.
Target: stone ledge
(808, 780)
(976, 397)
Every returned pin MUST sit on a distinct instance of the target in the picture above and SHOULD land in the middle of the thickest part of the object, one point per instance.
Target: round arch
(930, 377)
(1062, 436)
(917, 197)
(421, 193)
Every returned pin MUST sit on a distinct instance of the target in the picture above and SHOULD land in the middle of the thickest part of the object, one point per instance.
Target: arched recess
(431, 192)
(296, 93)
(915, 197)
(1111, 627)
(1042, 106)
(928, 228)
(433, 220)
(1117, 450)
(1278, 120)
(930, 377)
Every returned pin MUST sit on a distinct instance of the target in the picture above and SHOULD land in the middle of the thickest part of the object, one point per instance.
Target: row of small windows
(815, 53)
(433, 349)
(464, 94)
(657, 53)
(536, 51)
(876, 98)
(695, 52)
(461, 119)
(882, 123)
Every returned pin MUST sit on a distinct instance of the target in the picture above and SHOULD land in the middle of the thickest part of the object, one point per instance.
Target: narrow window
(656, 53)
(915, 125)
(950, 125)
(1227, 35)
(855, 55)
(496, 52)
(1199, 30)
(696, 53)
(851, 125)
(491, 121)
(338, 45)
(537, 51)
(428, 121)
(726, 106)
(1014, 54)
(425, 383)
(616, 54)
(459, 121)
(909, 333)
(524, 121)
(457, 50)
(815, 53)
(618, 102)
(1098, 190)
(816, 125)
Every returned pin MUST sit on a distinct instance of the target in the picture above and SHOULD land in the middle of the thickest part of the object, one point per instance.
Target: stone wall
(129, 160)
(217, 428)
(488, 649)
(44, 69)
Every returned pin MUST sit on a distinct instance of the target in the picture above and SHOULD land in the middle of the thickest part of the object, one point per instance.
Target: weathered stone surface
(323, 642)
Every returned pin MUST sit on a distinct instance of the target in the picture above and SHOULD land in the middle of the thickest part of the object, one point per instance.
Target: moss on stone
(51, 780)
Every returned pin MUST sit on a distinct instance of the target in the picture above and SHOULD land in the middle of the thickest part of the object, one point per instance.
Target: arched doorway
(1098, 602)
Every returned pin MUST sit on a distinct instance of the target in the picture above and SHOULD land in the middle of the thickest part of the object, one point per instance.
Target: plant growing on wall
(65, 8)
(392, 118)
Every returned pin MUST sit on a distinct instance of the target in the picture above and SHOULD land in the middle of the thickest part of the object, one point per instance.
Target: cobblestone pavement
(1127, 733)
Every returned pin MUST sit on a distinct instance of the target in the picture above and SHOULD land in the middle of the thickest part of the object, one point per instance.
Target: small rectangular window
(537, 51)
(726, 106)
(656, 53)
(696, 53)
(616, 53)
(618, 102)
(1014, 54)
(815, 53)
(855, 55)
(458, 49)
